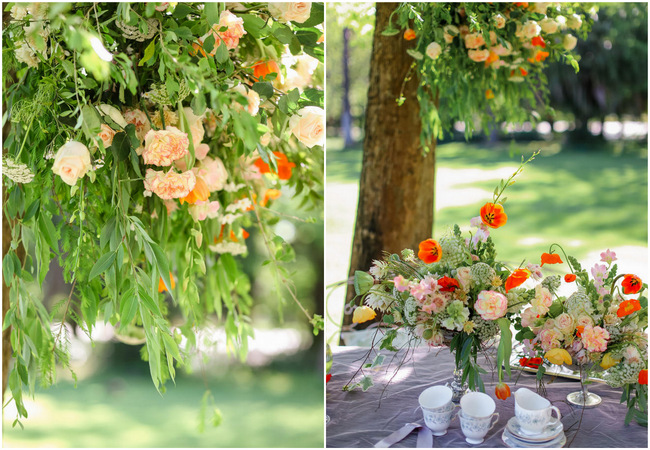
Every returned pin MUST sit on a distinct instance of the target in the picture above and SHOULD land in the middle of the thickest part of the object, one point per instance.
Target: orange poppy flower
(161, 283)
(643, 377)
(502, 391)
(270, 194)
(570, 277)
(489, 94)
(448, 284)
(579, 330)
(522, 4)
(429, 251)
(284, 166)
(493, 216)
(492, 57)
(409, 34)
(517, 278)
(538, 41)
(245, 233)
(200, 193)
(551, 258)
(263, 68)
(628, 307)
(631, 284)
(523, 71)
(541, 56)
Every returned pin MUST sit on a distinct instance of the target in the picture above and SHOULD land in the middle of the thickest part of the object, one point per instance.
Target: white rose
(528, 30)
(433, 50)
(569, 42)
(450, 32)
(549, 25)
(71, 162)
(18, 12)
(574, 21)
(113, 113)
(499, 21)
(308, 125)
(540, 7)
(286, 11)
(561, 21)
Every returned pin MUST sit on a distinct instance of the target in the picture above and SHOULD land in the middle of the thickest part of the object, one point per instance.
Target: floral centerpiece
(454, 292)
(601, 325)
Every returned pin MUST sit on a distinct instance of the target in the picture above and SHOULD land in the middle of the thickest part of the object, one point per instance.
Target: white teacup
(477, 404)
(475, 428)
(534, 412)
(437, 408)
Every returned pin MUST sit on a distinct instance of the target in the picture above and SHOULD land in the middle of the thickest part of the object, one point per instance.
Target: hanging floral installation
(145, 142)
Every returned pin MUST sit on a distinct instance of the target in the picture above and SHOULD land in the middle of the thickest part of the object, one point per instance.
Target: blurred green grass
(260, 408)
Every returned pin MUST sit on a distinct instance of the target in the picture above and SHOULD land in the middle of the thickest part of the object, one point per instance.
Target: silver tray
(572, 371)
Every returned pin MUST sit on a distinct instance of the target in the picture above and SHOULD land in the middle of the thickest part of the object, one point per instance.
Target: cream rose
(433, 50)
(140, 120)
(549, 25)
(168, 185)
(528, 30)
(499, 21)
(491, 305)
(106, 134)
(213, 172)
(295, 11)
(569, 42)
(252, 97)
(565, 323)
(163, 147)
(542, 301)
(574, 21)
(478, 55)
(308, 126)
(71, 162)
(450, 32)
(474, 40)
(540, 7)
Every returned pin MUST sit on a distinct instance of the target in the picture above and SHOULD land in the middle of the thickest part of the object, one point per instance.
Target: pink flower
(401, 284)
(168, 185)
(535, 270)
(435, 303)
(203, 210)
(201, 151)
(478, 55)
(106, 135)
(608, 256)
(528, 317)
(213, 173)
(139, 119)
(491, 305)
(595, 338)
(163, 147)
(420, 290)
(550, 339)
(599, 271)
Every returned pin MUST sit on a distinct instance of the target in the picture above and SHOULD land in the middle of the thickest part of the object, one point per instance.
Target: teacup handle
(559, 416)
(495, 422)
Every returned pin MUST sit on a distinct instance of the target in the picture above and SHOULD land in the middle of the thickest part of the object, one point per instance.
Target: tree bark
(396, 193)
(346, 116)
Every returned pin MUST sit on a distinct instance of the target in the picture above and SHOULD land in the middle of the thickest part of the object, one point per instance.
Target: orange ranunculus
(628, 307)
(551, 258)
(570, 277)
(161, 283)
(263, 68)
(502, 391)
(523, 71)
(631, 284)
(429, 251)
(541, 56)
(493, 216)
(530, 362)
(270, 194)
(245, 233)
(579, 330)
(538, 41)
(643, 376)
(489, 94)
(516, 278)
(492, 57)
(200, 193)
(409, 34)
(284, 166)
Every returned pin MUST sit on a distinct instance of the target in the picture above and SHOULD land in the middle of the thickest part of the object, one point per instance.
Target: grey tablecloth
(361, 419)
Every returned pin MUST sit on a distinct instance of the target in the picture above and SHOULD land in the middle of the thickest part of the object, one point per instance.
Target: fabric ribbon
(425, 438)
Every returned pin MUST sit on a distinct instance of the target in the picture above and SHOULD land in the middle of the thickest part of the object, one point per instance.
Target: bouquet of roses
(455, 293)
(599, 324)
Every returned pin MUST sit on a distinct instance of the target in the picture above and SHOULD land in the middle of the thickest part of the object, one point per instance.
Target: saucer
(514, 442)
(549, 433)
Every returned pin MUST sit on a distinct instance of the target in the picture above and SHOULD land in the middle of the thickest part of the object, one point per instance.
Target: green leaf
(283, 33)
(255, 26)
(32, 209)
(182, 10)
(264, 88)
(505, 345)
(363, 281)
(128, 307)
(46, 227)
(415, 54)
(211, 13)
(316, 17)
(91, 122)
(149, 51)
(103, 263)
(8, 268)
(121, 146)
(366, 383)
(222, 54)
(163, 266)
(390, 32)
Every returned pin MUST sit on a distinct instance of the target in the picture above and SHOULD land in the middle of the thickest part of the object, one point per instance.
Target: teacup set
(532, 426)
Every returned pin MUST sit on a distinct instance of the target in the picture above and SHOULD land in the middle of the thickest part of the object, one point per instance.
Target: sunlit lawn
(587, 201)
(259, 408)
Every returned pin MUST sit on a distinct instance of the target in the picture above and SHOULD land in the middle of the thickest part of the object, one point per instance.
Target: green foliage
(135, 259)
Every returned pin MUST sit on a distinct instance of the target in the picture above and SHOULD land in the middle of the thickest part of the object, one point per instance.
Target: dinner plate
(549, 433)
(514, 442)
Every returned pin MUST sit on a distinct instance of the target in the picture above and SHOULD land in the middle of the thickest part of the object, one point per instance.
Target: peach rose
(565, 323)
(542, 301)
(528, 30)
(295, 11)
(584, 321)
(139, 119)
(502, 50)
(528, 317)
(550, 339)
(540, 7)
(308, 125)
(106, 135)
(163, 147)
(71, 162)
(499, 21)
(464, 276)
(213, 173)
(433, 50)
(474, 40)
(491, 305)
(235, 30)
(595, 339)
(252, 97)
(201, 151)
(478, 55)
(168, 185)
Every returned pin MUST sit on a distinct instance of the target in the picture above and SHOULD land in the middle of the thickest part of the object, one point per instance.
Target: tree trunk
(396, 192)
(346, 116)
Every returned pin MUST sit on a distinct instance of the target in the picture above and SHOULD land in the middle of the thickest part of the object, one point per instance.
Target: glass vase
(457, 386)
(583, 398)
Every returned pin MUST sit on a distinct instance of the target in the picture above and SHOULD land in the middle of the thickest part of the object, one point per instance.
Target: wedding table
(361, 419)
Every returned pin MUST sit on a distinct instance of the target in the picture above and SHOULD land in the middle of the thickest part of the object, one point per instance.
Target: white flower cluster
(134, 33)
(233, 248)
(17, 172)
(622, 374)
